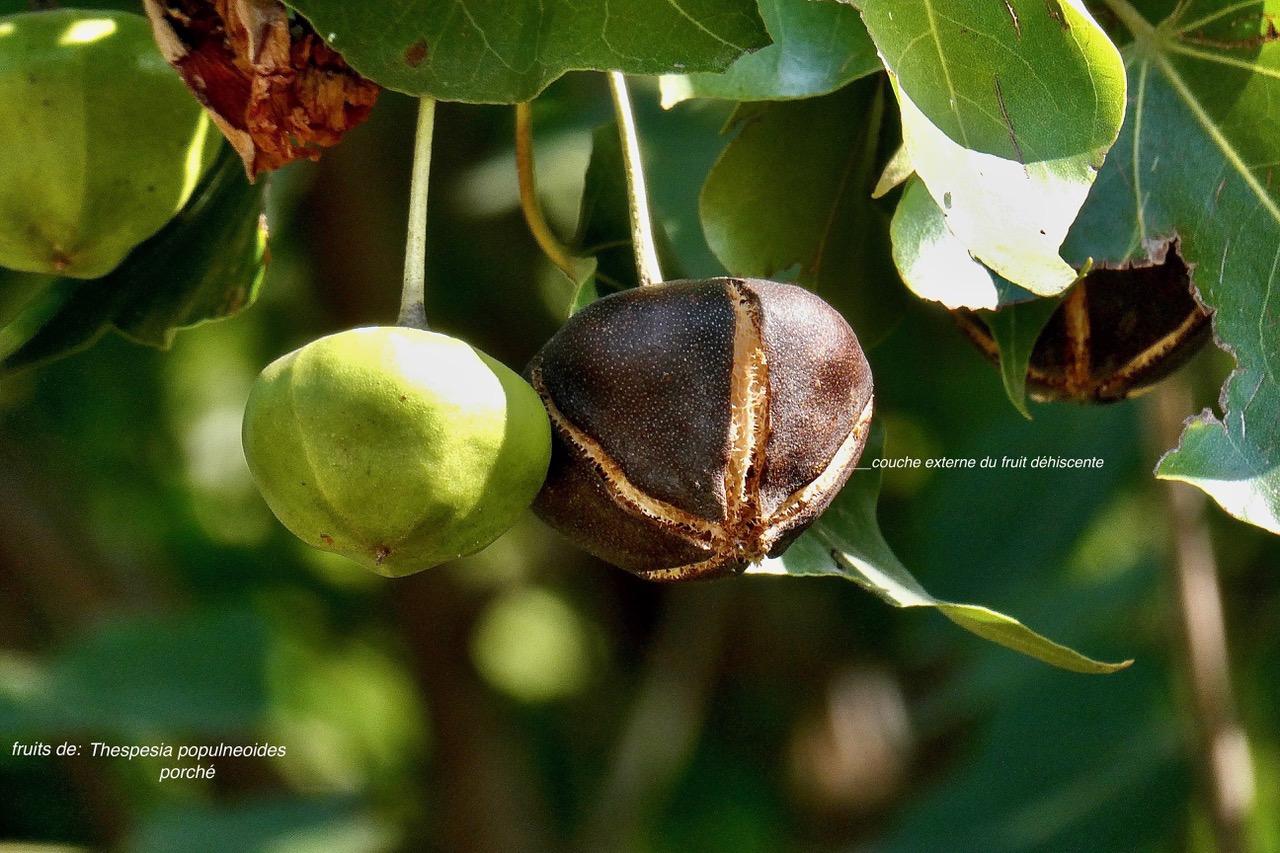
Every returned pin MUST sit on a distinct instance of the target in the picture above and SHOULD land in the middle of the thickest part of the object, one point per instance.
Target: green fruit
(398, 448)
(100, 141)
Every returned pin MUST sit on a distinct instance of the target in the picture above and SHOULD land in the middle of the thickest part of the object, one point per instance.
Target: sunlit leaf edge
(870, 562)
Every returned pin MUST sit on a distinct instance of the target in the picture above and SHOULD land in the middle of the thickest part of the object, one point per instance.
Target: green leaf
(1009, 215)
(1056, 764)
(585, 287)
(17, 290)
(484, 52)
(895, 173)
(207, 263)
(931, 259)
(1015, 329)
(200, 674)
(603, 237)
(766, 210)
(846, 542)
(1195, 161)
(604, 221)
(817, 48)
(1023, 80)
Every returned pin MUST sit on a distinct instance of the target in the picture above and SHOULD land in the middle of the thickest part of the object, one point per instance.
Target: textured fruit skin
(396, 447)
(699, 426)
(100, 141)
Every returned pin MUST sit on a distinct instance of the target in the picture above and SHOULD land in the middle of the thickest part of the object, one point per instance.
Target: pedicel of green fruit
(699, 426)
(100, 141)
(396, 447)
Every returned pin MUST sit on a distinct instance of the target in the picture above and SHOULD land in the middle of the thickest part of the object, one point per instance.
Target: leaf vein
(931, 14)
(1207, 124)
(1221, 59)
(675, 5)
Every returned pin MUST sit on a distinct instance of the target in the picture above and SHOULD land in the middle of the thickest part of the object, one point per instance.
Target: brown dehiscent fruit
(1117, 332)
(699, 426)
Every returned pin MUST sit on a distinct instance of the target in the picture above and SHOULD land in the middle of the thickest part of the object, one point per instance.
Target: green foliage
(847, 542)
(817, 48)
(508, 52)
(146, 592)
(1015, 329)
(1025, 80)
(1194, 162)
(207, 263)
(209, 667)
(791, 191)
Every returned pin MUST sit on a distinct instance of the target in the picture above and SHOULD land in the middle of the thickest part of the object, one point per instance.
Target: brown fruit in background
(699, 426)
(1116, 333)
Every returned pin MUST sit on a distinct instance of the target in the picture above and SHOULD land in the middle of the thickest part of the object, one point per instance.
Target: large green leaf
(846, 542)
(1024, 80)
(1196, 161)
(1012, 216)
(765, 210)
(207, 263)
(481, 51)
(817, 48)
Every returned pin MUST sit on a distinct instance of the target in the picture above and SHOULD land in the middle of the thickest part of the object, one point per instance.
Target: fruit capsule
(1116, 333)
(100, 141)
(699, 426)
(395, 447)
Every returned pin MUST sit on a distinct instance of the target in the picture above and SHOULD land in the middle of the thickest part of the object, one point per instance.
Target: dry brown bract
(271, 84)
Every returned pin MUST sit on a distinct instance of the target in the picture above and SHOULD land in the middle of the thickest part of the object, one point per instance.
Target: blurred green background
(529, 698)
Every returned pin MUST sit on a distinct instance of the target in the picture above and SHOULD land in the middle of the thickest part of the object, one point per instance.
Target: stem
(482, 786)
(1223, 746)
(647, 267)
(667, 715)
(1131, 18)
(555, 250)
(413, 309)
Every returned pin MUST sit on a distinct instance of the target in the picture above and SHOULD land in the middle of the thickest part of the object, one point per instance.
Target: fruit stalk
(647, 268)
(413, 311)
(551, 246)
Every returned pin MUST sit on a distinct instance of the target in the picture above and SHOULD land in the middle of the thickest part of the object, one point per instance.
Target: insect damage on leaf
(1248, 31)
(271, 84)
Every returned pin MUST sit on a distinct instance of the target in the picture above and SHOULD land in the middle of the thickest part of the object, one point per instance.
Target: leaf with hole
(1195, 161)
